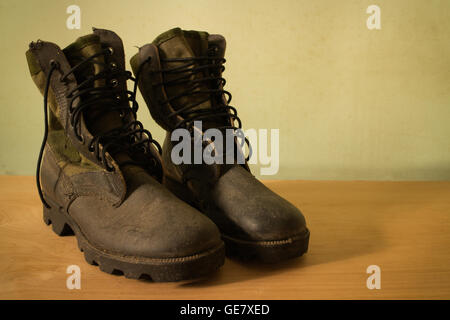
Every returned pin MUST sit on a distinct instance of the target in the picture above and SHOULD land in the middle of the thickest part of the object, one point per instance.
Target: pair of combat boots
(102, 177)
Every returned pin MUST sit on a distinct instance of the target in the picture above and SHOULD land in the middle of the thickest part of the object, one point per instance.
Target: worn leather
(45, 53)
(126, 212)
(151, 222)
(241, 206)
(249, 210)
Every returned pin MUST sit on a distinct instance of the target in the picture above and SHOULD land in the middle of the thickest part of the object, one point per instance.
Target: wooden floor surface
(403, 227)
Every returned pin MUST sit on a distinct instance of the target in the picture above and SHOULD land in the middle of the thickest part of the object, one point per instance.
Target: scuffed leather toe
(151, 222)
(251, 211)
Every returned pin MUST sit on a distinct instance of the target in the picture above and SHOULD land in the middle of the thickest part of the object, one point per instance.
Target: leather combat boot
(180, 77)
(99, 171)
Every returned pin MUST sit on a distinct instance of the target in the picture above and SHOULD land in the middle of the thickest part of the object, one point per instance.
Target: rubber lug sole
(155, 269)
(267, 251)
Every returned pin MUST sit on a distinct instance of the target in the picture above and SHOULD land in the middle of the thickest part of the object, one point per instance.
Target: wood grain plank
(404, 227)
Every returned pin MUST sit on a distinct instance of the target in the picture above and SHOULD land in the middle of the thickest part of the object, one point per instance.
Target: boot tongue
(83, 48)
(177, 43)
(97, 117)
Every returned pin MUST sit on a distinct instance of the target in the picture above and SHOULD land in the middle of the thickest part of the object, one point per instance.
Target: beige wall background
(350, 103)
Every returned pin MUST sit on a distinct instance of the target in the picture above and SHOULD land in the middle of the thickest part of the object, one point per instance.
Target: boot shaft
(180, 77)
(92, 128)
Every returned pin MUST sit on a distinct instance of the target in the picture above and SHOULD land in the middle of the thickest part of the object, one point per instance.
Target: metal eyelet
(111, 51)
(80, 138)
(114, 82)
(121, 114)
(113, 65)
(213, 51)
(54, 63)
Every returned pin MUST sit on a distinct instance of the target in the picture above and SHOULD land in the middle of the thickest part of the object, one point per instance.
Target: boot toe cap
(251, 211)
(151, 223)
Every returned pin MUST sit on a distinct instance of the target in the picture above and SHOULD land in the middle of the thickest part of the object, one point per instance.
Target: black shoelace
(210, 84)
(130, 138)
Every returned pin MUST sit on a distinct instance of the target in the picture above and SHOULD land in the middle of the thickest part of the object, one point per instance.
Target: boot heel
(58, 221)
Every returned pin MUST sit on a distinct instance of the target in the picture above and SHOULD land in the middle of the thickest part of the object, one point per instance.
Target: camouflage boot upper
(99, 171)
(180, 77)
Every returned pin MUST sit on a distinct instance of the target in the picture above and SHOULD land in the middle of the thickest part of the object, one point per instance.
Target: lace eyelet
(91, 148)
(80, 138)
(121, 114)
(114, 82)
(111, 51)
(54, 64)
(113, 65)
(213, 51)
